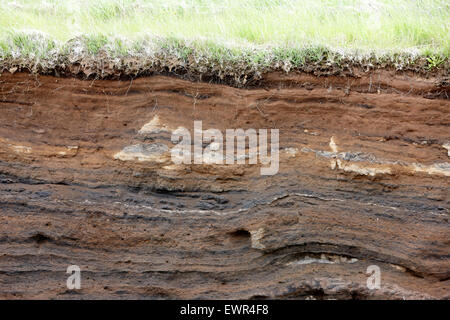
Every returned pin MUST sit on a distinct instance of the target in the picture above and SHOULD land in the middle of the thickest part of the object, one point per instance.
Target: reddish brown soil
(152, 229)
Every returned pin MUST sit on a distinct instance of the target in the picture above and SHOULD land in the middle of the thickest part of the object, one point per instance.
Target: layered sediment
(87, 179)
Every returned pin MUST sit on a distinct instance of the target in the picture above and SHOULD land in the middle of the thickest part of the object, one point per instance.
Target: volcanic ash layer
(86, 179)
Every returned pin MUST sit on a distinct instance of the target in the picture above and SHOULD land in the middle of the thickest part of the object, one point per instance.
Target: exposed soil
(363, 180)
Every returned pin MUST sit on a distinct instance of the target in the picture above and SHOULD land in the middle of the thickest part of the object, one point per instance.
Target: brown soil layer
(363, 180)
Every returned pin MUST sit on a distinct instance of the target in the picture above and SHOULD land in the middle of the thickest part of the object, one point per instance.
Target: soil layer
(86, 179)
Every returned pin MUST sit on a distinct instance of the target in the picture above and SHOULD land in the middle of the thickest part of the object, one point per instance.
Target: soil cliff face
(86, 179)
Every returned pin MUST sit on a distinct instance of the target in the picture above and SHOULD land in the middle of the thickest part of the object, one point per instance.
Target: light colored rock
(447, 146)
(256, 236)
(22, 149)
(333, 145)
(154, 126)
(143, 152)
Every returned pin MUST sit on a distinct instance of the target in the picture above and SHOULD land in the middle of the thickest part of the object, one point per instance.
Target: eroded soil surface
(86, 179)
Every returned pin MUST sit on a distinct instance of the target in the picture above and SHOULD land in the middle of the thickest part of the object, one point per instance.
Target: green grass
(370, 24)
(260, 32)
